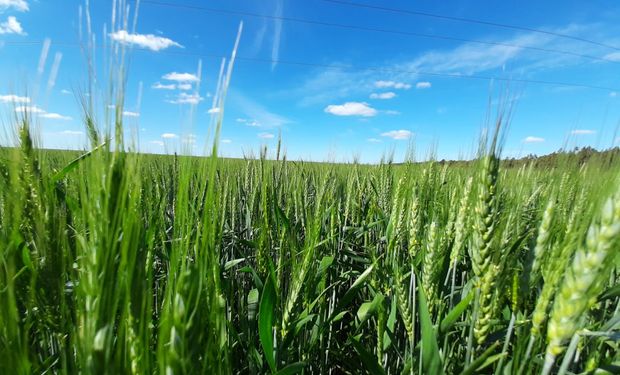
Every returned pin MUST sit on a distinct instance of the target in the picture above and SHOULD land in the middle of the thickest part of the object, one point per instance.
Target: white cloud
(149, 41)
(72, 132)
(398, 134)
(249, 122)
(14, 99)
(158, 143)
(11, 26)
(423, 85)
(374, 140)
(382, 95)
(265, 135)
(351, 109)
(226, 141)
(214, 110)
(159, 86)
(169, 136)
(613, 94)
(55, 116)
(131, 114)
(33, 109)
(28, 109)
(184, 86)
(184, 98)
(181, 77)
(392, 84)
(65, 92)
(614, 56)
(532, 139)
(391, 112)
(582, 132)
(19, 5)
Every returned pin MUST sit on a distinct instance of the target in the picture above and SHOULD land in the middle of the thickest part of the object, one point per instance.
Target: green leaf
(391, 321)
(74, 163)
(480, 361)
(339, 316)
(26, 258)
(367, 358)
(258, 283)
(252, 303)
(302, 322)
(492, 359)
(293, 368)
(325, 263)
(368, 309)
(265, 322)
(350, 294)
(610, 293)
(231, 263)
(431, 361)
(453, 315)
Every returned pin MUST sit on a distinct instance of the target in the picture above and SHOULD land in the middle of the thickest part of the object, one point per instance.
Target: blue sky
(334, 93)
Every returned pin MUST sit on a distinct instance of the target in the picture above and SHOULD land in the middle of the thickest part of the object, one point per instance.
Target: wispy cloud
(55, 116)
(65, 92)
(423, 85)
(614, 56)
(266, 135)
(181, 77)
(148, 41)
(277, 33)
(184, 98)
(351, 109)
(34, 110)
(184, 86)
(169, 136)
(398, 134)
(330, 84)
(131, 114)
(14, 99)
(160, 86)
(226, 141)
(392, 84)
(11, 26)
(19, 5)
(374, 140)
(613, 94)
(532, 139)
(43, 56)
(582, 132)
(72, 132)
(249, 122)
(382, 95)
(158, 143)
(256, 113)
(391, 112)
(214, 110)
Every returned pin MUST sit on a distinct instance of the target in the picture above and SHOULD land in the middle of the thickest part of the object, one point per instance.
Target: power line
(341, 67)
(470, 20)
(372, 29)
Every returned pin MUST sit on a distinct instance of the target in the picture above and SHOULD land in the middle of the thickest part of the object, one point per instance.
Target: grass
(112, 261)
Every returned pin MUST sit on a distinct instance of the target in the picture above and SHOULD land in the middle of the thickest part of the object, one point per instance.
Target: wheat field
(120, 262)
